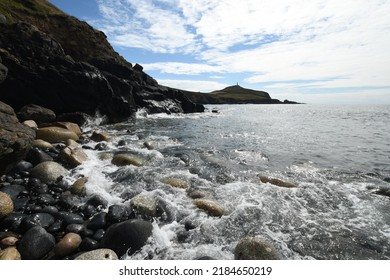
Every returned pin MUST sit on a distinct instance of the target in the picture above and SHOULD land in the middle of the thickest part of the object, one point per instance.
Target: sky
(311, 51)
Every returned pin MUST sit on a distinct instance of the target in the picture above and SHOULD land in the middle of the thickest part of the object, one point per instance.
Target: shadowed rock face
(15, 138)
(58, 62)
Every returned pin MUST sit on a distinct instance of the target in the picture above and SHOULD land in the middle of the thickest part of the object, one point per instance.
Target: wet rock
(10, 253)
(105, 156)
(35, 243)
(75, 117)
(89, 244)
(44, 220)
(98, 221)
(97, 201)
(78, 187)
(197, 194)
(67, 125)
(12, 222)
(88, 210)
(149, 145)
(41, 144)
(3, 69)
(74, 156)
(176, 183)
(254, 248)
(99, 254)
(67, 245)
(13, 191)
(76, 228)
(144, 205)
(277, 182)
(49, 171)
(98, 235)
(127, 237)
(36, 113)
(118, 213)
(384, 190)
(211, 207)
(6, 205)
(189, 225)
(15, 139)
(36, 156)
(70, 218)
(46, 199)
(101, 146)
(22, 166)
(127, 159)
(100, 137)
(31, 124)
(53, 134)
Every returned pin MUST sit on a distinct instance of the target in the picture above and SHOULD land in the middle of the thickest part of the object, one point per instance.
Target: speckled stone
(99, 254)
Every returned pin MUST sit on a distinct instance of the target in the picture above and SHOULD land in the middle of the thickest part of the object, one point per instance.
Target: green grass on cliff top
(15, 10)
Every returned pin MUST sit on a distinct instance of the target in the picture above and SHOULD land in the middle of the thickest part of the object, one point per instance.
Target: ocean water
(338, 156)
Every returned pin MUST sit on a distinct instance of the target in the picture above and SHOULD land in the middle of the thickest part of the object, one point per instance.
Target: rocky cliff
(54, 60)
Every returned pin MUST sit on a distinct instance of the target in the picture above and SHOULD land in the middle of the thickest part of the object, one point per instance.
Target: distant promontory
(235, 95)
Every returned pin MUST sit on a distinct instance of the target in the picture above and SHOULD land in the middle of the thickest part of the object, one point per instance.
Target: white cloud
(327, 43)
(180, 68)
(193, 85)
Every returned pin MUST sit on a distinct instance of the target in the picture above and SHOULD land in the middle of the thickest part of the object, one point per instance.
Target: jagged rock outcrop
(15, 138)
(61, 63)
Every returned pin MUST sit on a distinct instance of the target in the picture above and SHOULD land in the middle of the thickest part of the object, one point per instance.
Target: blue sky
(313, 51)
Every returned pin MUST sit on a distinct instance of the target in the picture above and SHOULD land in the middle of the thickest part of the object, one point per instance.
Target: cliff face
(59, 62)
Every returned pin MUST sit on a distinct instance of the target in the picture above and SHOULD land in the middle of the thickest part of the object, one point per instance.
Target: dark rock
(36, 113)
(3, 72)
(44, 220)
(98, 221)
(189, 225)
(88, 210)
(36, 243)
(15, 139)
(36, 156)
(68, 201)
(13, 190)
(12, 222)
(387, 179)
(97, 201)
(20, 203)
(127, 237)
(22, 166)
(205, 258)
(118, 213)
(99, 234)
(46, 199)
(41, 189)
(52, 210)
(89, 244)
(78, 74)
(77, 117)
(55, 227)
(101, 146)
(70, 218)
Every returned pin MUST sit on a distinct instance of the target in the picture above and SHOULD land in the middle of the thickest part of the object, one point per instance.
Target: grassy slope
(232, 94)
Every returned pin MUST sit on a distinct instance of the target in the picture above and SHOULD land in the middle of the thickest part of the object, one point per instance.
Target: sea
(338, 156)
